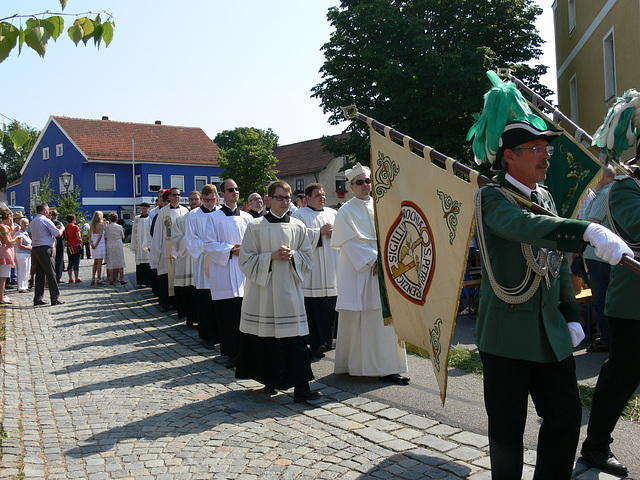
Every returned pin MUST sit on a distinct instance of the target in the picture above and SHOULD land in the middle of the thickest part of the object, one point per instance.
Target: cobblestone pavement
(107, 387)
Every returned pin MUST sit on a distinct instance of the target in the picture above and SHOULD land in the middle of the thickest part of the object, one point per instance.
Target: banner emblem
(410, 253)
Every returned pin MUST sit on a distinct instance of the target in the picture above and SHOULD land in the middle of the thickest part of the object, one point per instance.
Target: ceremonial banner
(572, 170)
(424, 217)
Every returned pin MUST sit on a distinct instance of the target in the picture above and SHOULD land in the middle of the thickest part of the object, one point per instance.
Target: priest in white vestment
(183, 264)
(161, 247)
(161, 201)
(320, 285)
(365, 346)
(222, 246)
(275, 255)
(139, 239)
(195, 237)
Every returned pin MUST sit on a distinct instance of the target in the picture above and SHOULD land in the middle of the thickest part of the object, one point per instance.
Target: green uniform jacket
(624, 285)
(537, 329)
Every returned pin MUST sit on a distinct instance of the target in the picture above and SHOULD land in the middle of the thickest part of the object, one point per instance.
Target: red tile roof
(300, 158)
(109, 140)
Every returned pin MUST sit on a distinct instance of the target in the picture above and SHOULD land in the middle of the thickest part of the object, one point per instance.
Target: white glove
(576, 332)
(608, 246)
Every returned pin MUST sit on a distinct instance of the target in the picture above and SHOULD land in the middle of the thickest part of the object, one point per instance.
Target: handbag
(74, 249)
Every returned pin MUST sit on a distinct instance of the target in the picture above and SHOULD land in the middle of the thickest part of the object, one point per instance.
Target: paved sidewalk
(107, 387)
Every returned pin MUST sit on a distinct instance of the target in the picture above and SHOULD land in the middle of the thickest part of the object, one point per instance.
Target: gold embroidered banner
(424, 217)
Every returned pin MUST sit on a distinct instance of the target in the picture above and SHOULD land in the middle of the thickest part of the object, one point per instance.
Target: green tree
(45, 194)
(71, 203)
(419, 66)
(11, 159)
(246, 155)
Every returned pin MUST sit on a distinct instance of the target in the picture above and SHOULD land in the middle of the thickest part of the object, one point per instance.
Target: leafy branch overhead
(39, 28)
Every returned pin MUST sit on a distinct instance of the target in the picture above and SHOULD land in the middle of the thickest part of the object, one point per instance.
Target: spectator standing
(98, 246)
(320, 287)
(59, 247)
(114, 235)
(44, 234)
(365, 346)
(7, 240)
(74, 247)
(275, 256)
(23, 256)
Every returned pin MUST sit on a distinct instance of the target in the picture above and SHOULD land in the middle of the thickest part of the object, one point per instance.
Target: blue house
(116, 165)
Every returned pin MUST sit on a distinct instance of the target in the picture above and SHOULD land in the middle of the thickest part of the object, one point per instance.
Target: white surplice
(161, 231)
(223, 232)
(365, 346)
(273, 305)
(140, 236)
(183, 273)
(321, 281)
(194, 243)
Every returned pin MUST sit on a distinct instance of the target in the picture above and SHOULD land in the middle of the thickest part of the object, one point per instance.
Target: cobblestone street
(107, 387)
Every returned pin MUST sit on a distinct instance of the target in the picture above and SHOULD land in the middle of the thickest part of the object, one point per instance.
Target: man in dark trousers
(44, 234)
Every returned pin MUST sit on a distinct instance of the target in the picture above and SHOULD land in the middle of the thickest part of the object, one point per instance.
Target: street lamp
(66, 181)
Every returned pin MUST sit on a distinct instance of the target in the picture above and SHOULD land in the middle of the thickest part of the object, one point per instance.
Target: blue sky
(212, 64)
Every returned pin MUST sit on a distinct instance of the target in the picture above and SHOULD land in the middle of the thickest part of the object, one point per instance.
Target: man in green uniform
(620, 375)
(528, 318)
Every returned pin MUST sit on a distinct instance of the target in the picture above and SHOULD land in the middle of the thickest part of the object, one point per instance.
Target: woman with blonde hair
(96, 229)
(7, 239)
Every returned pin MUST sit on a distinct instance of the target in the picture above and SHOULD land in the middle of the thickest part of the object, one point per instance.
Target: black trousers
(143, 275)
(59, 260)
(207, 328)
(164, 300)
(153, 280)
(41, 258)
(619, 378)
(554, 390)
(227, 317)
(322, 317)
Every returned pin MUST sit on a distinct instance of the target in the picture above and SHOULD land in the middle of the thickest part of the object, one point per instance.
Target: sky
(212, 64)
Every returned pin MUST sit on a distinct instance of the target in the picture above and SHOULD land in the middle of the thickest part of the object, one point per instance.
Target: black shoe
(39, 303)
(231, 362)
(305, 396)
(606, 462)
(164, 309)
(57, 302)
(209, 344)
(395, 378)
(268, 390)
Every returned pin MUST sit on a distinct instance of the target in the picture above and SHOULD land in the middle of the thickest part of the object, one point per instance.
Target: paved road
(106, 386)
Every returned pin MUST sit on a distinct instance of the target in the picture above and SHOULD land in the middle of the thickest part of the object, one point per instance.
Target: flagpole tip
(350, 111)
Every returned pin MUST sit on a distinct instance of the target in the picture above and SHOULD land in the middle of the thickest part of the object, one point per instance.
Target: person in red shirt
(74, 247)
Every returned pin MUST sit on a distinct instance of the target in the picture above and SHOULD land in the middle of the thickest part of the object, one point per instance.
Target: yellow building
(597, 44)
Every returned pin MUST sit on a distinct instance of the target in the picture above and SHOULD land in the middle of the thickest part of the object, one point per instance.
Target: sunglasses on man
(361, 182)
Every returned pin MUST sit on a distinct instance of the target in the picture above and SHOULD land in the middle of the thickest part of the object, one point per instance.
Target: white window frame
(199, 178)
(138, 184)
(177, 181)
(34, 189)
(149, 182)
(609, 62)
(573, 98)
(215, 180)
(12, 197)
(61, 185)
(572, 15)
(59, 150)
(104, 176)
(45, 153)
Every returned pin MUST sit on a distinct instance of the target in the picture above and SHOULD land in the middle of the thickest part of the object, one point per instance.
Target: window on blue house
(199, 182)
(155, 183)
(45, 153)
(13, 198)
(59, 150)
(106, 182)
(138, 184)
(177, 181)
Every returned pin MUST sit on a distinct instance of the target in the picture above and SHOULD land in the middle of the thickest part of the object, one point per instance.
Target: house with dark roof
(116, 165)
(303, 163)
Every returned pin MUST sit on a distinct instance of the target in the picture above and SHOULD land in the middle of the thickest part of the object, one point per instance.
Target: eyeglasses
(538, 149)
(361, 182)
(257, 199)
(175, 194)
(232, 189)
(280, 198)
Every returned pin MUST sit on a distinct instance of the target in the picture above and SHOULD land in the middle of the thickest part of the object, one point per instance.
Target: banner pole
(351, 112)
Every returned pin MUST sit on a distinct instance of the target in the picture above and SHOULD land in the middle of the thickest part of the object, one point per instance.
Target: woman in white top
(96, 227)
(23, 256)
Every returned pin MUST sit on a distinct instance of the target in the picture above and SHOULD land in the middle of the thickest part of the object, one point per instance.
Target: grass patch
(465, 360)
(630, 412)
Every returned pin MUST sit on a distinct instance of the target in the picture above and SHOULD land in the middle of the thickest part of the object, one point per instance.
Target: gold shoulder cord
(536, 266)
